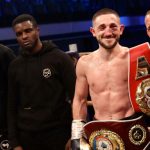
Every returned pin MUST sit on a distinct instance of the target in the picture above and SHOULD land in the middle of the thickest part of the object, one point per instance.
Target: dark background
(73, 11)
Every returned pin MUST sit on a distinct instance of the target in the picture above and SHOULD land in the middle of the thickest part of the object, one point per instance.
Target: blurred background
(67, 22)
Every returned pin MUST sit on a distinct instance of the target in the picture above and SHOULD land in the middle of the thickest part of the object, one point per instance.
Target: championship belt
(117, 134)
(139, 77)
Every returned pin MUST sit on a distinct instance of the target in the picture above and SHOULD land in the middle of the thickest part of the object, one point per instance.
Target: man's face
(27, 35)
(147, 24)
(107, 30)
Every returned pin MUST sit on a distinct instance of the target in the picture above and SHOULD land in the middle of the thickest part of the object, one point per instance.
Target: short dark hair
(147, 13)
(24, 17)
(105, 11)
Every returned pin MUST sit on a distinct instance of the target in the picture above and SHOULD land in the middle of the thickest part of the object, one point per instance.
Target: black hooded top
(40, 87)
(6, 56)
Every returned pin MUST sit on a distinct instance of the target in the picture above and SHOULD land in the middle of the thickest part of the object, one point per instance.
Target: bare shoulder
(87, 58)
(85, 61)
(124, 51)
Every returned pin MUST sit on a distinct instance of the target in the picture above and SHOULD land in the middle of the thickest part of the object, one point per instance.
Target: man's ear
(122, 27)
(38, 29)
(92, 31)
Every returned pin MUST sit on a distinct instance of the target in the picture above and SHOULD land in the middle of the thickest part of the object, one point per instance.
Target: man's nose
(108, 31)
(24, 35)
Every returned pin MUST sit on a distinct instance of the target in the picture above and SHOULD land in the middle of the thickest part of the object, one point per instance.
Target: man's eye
(101, 28)
(113, 27)
(18, 34)
(28, 30)
(148, 29)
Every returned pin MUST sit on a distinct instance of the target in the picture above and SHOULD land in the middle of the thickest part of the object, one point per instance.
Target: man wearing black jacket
(6, 56)
(41, 86)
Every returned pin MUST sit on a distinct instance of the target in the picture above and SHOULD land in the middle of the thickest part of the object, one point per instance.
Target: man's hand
(18, 148)
(68, 145)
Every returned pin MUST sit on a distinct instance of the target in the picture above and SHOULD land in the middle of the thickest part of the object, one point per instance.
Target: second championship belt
(117, 135)
(139, 78)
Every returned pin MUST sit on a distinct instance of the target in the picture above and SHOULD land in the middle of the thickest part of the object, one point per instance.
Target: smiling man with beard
(104, 75)
(41, 85)
(104, 72)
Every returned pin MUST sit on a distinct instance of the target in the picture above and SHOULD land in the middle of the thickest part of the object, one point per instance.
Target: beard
(30, 46)
(111, 46)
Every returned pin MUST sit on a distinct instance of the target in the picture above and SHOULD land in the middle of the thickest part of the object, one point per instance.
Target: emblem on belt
(143, 67)
(106, 139)
(137, 135)
(143, 96)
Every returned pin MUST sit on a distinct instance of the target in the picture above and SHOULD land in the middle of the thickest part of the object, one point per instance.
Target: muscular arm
(81, 92)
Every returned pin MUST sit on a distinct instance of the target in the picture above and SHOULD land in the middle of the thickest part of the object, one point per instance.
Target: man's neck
(37, 48)
(109, 54)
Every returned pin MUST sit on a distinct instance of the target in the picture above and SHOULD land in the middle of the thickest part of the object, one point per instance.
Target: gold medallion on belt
(106, 139)
(137, 134)
(143, 96)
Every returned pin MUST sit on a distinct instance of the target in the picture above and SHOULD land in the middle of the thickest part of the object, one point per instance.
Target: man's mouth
(26, 43)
